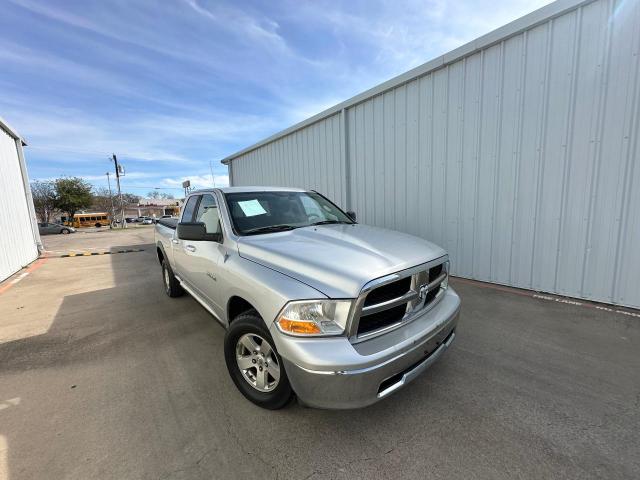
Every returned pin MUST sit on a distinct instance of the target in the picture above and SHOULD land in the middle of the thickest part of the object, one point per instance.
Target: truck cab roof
(249, 189)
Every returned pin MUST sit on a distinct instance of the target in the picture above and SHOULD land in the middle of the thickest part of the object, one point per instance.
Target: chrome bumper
(334, 373)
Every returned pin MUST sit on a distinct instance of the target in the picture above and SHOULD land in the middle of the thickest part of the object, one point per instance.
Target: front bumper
(334, 373)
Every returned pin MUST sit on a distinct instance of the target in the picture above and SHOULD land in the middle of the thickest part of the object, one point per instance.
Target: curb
(91, 254)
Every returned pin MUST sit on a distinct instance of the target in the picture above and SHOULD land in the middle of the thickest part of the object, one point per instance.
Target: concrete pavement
(104, 377)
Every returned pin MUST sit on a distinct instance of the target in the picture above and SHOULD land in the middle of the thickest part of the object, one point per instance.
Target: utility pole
(113, 209)
(123, 224)
(213, 179)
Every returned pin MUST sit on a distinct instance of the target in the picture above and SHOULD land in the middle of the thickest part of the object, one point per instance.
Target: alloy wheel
(257, 362)
(167, 280)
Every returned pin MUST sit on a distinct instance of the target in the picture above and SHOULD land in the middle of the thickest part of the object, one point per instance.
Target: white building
(518, 152)
(19, 237)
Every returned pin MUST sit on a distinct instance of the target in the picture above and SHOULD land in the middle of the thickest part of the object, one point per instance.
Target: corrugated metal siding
(17, 244)
(521, 159)
(308, 158)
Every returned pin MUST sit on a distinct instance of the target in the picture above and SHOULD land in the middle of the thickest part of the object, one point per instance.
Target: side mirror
(191, 231)
(352, 215)
(197, 231)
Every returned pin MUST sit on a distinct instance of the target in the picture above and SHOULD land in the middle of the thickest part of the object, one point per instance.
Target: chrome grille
(389, 302)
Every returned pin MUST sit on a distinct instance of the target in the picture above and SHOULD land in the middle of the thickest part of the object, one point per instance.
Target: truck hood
(338, 260)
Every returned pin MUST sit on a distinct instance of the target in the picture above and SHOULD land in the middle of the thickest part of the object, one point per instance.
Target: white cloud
(169, 86)
(70, 135)
(198, 181)
(389, 38)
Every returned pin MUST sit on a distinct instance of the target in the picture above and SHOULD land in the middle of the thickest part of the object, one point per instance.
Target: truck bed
(171, 223)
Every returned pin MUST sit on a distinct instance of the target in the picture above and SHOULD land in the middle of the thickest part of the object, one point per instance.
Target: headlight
(445, 282)
(314, 317)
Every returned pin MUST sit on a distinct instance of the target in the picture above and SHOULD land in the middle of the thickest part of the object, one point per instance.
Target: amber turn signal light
(297, 326)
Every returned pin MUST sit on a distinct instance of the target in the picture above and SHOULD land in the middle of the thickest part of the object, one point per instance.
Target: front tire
(171, 284)
(65, 231)
(254, 363)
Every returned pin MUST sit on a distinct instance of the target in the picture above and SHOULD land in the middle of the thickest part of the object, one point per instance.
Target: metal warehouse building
(517, 152)
(19, 237)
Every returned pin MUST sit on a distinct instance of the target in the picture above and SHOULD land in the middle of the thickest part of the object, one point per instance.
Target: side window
(208, 214)
(314, 211)
(189, 208)
(311, 208)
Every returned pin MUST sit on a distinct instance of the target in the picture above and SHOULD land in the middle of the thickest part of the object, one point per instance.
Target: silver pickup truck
(315, 305)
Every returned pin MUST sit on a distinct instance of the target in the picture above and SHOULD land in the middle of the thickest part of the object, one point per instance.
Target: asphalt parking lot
(104, 377)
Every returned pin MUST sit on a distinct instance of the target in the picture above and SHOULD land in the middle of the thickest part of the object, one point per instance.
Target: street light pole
(113, 210)
(123, 224)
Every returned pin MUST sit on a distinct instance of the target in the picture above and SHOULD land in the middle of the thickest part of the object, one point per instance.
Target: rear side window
(189, 208)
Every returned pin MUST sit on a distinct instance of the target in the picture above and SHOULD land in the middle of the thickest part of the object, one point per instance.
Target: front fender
(264, 288)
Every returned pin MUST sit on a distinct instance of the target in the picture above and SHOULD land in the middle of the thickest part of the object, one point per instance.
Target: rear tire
(98, 225)
(171, 284)
(276, 390)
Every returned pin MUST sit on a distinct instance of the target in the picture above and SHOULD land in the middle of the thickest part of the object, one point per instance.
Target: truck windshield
(266, 212)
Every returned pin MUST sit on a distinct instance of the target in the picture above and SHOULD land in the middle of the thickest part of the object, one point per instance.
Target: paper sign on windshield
(251, 208)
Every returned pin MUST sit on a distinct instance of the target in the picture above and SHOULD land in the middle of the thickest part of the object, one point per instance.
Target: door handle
(191, 248)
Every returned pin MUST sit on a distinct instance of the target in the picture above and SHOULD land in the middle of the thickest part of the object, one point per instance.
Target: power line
(153, 188)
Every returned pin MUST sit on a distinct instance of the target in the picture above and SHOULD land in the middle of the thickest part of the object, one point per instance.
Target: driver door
(180, 254)
(202, 258)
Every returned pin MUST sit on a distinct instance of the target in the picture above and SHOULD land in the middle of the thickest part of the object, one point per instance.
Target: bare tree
(130, 198)
(44, 199)
(102, 200)
(160, 195)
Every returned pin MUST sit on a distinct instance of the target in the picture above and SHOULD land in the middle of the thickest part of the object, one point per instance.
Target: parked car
(50, 228)
(146, 221)
(314, 304)
(157, 219)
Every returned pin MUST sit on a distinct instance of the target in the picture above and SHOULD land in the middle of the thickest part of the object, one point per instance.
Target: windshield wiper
(270, 228)
(328, 222)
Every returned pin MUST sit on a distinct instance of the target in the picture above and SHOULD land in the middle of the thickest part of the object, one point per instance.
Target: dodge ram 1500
(315, 305)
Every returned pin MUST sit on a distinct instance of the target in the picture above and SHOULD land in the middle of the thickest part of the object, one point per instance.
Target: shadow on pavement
(128, 383)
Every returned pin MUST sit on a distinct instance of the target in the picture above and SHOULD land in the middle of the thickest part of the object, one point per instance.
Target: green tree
(72, 194)
(44, 199)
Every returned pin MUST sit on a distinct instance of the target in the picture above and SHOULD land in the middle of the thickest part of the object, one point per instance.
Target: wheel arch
(237, 305)
(160, 253)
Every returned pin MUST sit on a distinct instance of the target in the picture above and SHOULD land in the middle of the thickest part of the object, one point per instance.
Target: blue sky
(172, 85)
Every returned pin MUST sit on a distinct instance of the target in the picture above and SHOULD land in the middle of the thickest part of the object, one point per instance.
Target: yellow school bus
(100, 219)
